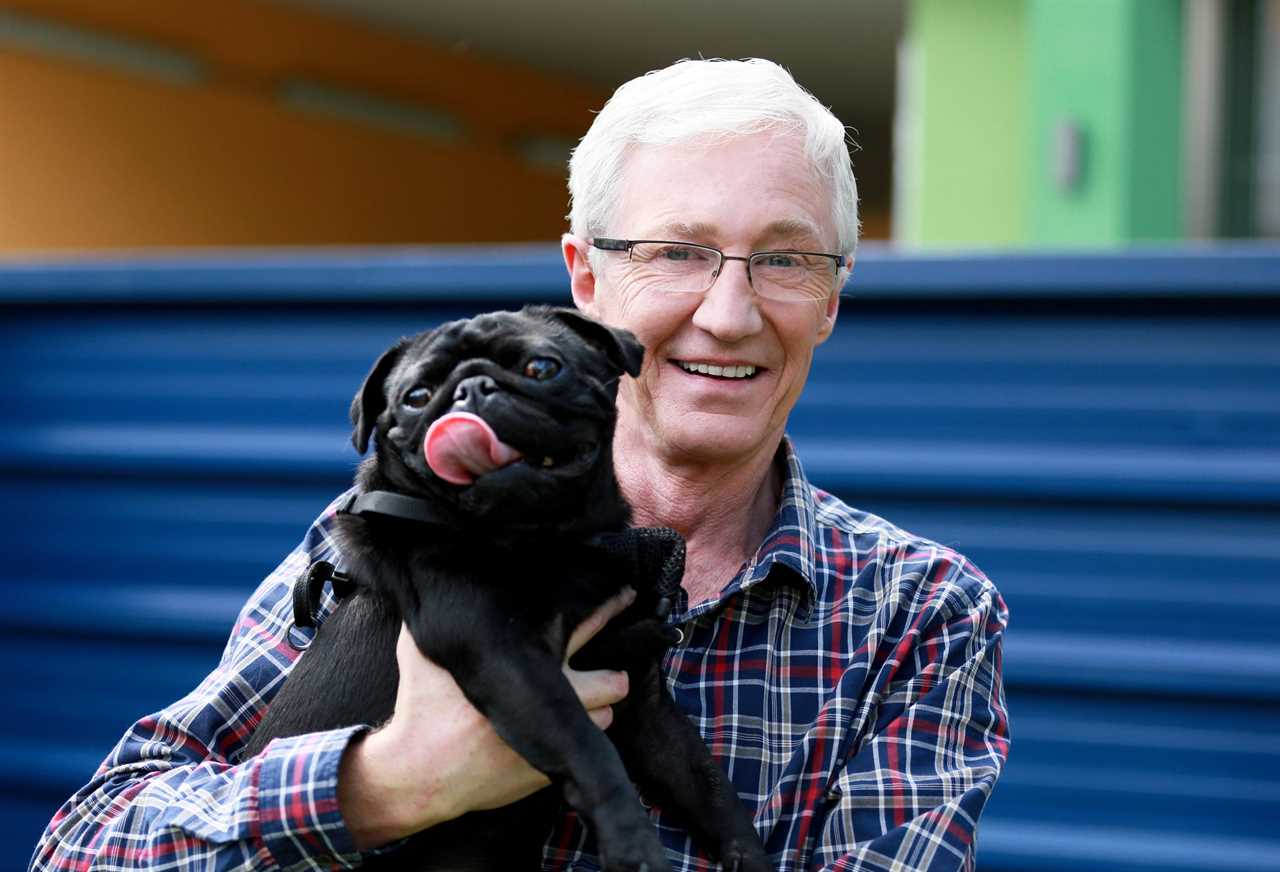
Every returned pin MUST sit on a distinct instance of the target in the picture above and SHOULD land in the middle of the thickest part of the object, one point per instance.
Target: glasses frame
(605, 244)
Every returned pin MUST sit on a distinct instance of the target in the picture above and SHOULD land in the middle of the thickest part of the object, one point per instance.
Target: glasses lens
(674, 267)
(786, 275)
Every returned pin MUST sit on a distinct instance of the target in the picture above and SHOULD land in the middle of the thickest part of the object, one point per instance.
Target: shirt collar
(787, 552)
(791, 543)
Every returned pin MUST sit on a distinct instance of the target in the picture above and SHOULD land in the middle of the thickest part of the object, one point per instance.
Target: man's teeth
(721, 371)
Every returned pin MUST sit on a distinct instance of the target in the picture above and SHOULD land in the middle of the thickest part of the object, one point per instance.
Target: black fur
(527, 554)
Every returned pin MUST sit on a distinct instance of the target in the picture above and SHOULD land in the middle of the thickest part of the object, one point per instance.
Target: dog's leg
(519, 686)
(650, 731)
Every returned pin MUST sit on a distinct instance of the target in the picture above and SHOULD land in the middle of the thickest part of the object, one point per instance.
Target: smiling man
(730, 285)
(845, 672)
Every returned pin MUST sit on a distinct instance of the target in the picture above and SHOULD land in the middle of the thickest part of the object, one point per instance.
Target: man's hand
(438, 758)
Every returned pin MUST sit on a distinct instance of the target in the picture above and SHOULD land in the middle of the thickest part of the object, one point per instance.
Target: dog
(489, 521)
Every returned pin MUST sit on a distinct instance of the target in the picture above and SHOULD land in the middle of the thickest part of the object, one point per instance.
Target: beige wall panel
(94, 159)
(262, 42)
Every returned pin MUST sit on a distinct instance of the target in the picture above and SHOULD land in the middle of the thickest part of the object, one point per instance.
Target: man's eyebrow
(793, 230)
(684, 231)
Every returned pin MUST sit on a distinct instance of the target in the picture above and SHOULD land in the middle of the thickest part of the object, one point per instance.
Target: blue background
(1099, 432)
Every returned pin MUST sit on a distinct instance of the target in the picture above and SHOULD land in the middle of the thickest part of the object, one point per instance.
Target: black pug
(490, 521)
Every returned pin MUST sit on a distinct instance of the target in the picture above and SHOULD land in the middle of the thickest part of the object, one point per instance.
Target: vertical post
(1203, 50)
(1240, 119)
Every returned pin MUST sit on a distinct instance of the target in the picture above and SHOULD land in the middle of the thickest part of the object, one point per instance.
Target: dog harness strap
(302, 608)
(397, 506)
(663, 554)
(306, 592)
(654, 552)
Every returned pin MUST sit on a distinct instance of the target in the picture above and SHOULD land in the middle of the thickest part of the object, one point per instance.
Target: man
(845, 672)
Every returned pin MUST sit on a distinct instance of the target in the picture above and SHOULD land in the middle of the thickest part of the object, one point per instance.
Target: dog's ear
(623, 348)
(370, 399)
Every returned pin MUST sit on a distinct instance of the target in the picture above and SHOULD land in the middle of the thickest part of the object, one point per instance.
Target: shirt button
(833, 795)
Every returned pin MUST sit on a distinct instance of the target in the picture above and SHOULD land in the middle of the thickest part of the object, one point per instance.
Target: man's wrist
(381, 801)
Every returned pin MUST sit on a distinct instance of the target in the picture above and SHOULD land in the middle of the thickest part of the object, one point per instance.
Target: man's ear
(622, 347)
(582, 281)
(832, 307)
(370, 400)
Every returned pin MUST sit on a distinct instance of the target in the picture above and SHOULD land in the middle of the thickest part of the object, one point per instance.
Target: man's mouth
(741, 371)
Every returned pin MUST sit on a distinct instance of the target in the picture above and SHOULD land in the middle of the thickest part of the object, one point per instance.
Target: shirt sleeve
(911, 795)
(173, 793)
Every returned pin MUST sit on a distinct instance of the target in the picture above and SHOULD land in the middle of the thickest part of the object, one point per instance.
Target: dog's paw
(613, 863)
(650, 638)
(636, 851)
(740, 857)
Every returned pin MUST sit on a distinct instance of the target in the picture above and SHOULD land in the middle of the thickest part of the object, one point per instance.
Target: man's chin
(709, 439)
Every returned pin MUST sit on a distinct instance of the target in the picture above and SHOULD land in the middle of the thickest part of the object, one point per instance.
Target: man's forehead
(792, 229)
(704, 190)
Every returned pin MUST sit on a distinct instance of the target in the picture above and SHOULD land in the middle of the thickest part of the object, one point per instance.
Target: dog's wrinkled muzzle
(460, 447)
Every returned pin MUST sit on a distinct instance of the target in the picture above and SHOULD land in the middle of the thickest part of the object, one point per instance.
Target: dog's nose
(474, 388)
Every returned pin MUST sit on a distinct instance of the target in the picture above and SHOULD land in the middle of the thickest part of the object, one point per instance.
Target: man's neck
(723, 510)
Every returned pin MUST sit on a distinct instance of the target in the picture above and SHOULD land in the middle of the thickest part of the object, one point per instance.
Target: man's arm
(173, 791)
(910, 798)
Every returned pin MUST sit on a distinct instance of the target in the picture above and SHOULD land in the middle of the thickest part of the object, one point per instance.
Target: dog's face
(506, 417)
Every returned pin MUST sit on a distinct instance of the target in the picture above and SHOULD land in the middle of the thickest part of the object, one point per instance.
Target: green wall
(1113, 68)
(971, 149)
(995, 80)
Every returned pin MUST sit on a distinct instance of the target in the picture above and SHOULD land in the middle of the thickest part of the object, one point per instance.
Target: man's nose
(728, 311)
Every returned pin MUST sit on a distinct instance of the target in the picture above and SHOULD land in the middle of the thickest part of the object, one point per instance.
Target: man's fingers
(598, 690)
(602, 717)
(597, 619)
(598, 687)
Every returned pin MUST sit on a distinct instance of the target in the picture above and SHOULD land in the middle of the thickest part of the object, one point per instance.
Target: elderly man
(845, 672)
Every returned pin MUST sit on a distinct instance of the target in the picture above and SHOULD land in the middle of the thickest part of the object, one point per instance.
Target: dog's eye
(417, 398)
(542, 368)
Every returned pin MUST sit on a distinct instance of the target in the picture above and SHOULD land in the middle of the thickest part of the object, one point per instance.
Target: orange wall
(97, 158)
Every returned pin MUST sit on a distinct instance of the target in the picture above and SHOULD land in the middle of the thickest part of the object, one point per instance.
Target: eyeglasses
(689, 268)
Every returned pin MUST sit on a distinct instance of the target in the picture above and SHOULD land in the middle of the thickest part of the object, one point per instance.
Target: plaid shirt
(848, 680)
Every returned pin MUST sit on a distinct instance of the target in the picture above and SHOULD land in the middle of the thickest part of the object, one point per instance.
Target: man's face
(742, 195)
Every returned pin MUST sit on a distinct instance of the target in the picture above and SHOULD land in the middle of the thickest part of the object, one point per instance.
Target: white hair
(697, 98)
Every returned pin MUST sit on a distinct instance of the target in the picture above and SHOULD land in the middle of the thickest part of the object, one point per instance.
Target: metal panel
(1100, 433)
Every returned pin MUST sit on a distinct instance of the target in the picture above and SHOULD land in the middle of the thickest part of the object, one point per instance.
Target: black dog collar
(396, 505)
(309, 586)
(656, 552)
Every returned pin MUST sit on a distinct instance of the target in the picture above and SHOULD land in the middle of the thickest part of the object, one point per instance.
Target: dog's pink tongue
(461, 447)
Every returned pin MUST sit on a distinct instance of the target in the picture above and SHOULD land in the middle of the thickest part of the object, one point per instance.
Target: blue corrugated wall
(1101, 433)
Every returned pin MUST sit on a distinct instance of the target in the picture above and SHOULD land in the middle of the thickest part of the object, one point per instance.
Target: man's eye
(682, 253)
(783, 260)
(417, 398)
(542, 368)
